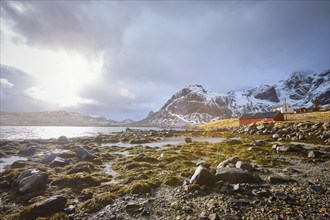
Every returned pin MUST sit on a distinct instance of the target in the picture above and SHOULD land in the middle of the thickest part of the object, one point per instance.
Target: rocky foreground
(261, 171)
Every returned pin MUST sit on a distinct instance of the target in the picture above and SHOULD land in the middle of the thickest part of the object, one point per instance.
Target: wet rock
(244, 166)
(261, 193)
(59, 162)
(203, 176)
(26, 173)
(232, 160)
(235, 175)
(279, 178)
(32, 181)
(318, 189)
(84, 154)
(315, 154)
(47, 208)
(49, 158)
(188, 140)
(62, 140)
(30, 151)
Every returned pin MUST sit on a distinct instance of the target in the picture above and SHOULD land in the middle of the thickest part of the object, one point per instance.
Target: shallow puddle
(9, 161)
(168, 141)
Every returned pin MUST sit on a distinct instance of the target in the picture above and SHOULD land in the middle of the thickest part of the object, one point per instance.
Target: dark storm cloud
(155, 48)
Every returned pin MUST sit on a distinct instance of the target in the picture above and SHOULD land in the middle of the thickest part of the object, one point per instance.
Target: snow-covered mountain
(56, 118)
(196, 105)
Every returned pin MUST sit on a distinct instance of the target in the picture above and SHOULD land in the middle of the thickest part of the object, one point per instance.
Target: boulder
(47, 208)
(26, 173)
(62, 140)
(203, 176)
(232, 160)
(49, 158)
(30, 151)
(32, 181)
(84, 154)
(235, 175)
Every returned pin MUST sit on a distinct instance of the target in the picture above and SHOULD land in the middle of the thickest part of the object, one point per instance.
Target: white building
(285, 108)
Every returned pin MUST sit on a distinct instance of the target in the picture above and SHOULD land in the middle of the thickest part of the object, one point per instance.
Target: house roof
(260, 115)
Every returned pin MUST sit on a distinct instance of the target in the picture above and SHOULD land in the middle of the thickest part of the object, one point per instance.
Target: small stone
(188, 140)
(258, 143)
(133, 208)
(214, 216)
(318, 189)
(240, 202)
(274, 179)
(231, 160)
(315, 154)
(175, 205)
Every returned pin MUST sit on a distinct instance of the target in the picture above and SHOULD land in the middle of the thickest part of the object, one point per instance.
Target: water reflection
(9, 161)
(168, 141)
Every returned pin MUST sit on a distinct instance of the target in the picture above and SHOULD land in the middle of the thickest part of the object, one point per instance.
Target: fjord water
(45, 132)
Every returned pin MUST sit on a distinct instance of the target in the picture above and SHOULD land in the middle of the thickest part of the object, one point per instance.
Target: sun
(61, 75)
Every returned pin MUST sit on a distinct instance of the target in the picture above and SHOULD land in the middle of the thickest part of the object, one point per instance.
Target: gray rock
(26, 173)
(240, 202)
(49, 158)
(32, 182)
(254, 149)
(203, 176)
(214, 216)
(235, 175)
(244, 166)
(232, 160)
(30, 151)
(258, 143)
(62, 140)
(84, 154)
(47, 208)
(279, 178)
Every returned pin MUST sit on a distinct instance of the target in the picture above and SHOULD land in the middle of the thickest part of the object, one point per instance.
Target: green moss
(98, 202)
(141, 187)
(76, 181)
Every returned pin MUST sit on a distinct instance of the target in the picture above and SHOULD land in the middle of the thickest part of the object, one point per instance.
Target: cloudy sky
(124, 59)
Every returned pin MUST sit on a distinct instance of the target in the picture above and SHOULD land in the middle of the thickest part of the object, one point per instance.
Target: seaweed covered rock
(84, 154)
(46, 208)
(31, 180)
(203, 176)
(29, 151)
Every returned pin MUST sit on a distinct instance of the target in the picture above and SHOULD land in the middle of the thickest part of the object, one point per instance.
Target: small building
(301, 110)
(261, 116)
(285, 108)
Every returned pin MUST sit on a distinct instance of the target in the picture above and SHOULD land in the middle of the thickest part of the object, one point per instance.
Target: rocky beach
(258, 171)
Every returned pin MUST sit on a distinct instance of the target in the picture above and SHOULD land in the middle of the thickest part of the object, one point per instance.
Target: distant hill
(56, 118)
(196, 105)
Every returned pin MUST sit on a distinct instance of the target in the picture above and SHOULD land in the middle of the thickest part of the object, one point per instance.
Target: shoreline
(88, 181)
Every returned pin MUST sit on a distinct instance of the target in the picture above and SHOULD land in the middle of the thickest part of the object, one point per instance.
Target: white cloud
(126, 93)
(5, 84)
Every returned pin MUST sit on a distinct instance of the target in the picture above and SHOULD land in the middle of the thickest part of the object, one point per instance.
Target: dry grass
(224, 123)
(234, 122)
(311, 116)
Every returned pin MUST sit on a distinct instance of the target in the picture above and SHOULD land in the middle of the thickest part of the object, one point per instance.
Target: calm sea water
(44, 132)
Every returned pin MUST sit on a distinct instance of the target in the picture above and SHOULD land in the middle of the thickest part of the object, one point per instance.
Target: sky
(123, 59)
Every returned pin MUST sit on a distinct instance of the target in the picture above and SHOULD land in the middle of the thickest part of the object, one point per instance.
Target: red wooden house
(260, 116)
